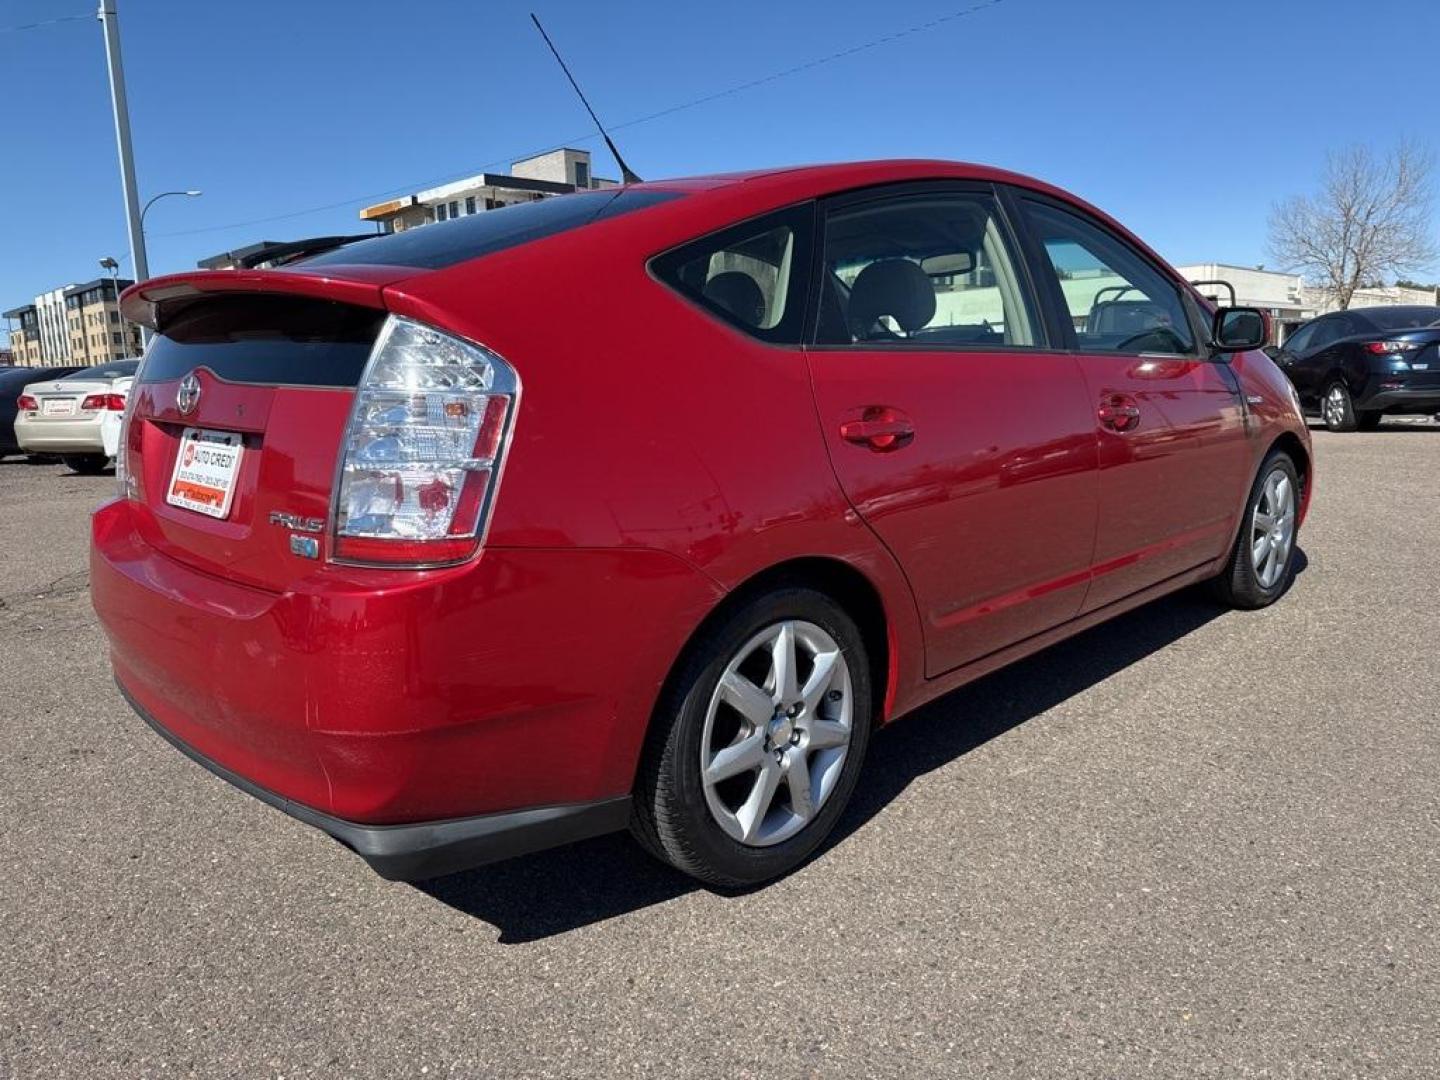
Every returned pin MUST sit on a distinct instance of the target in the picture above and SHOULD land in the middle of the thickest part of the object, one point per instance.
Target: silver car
(76, 417)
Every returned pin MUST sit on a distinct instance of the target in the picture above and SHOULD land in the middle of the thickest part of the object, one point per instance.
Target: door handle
(1118, 412)
(879, 428)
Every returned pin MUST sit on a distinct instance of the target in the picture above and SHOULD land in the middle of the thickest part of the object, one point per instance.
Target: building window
(114, 317)
(469, 204)
(440, 212)
(455, 208)
(115, 338)
(582, 174)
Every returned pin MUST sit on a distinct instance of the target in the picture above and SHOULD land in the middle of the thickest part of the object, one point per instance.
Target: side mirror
(1237, 329)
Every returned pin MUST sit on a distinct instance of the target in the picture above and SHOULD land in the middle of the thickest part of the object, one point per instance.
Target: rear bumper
(1419, 400)
(97, 433)
(380, 698)
(434, 848)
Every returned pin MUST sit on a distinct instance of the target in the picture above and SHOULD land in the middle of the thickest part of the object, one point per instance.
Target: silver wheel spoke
(746, 698)
(782, 654)
(1263, 522)
(1260, 551)
(821, 676)
(751, 814)
(827, 733)
(747, 754)
(797, 776)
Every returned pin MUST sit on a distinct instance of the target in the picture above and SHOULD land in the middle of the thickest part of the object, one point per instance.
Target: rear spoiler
(151, 302)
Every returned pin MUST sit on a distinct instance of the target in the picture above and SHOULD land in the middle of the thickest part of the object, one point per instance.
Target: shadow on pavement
(551, 892)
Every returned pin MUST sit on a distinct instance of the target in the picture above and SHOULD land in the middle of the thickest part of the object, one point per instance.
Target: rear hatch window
(266, 340)
(444, 244)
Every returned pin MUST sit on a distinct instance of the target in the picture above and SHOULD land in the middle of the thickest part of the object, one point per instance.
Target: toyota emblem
(188, 395)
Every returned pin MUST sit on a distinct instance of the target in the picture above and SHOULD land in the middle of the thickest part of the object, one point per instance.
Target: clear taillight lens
(423, 448)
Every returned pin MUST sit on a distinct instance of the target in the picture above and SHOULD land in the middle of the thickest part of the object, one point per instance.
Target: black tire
(1239, 585)
(86, 464)
(1368, 421)
(1343, 417)
(672, 819)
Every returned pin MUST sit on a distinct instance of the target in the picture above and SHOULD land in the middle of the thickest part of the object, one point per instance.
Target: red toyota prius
(645, 506)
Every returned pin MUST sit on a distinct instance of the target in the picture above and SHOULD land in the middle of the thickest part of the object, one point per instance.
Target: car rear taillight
(1381, 348)
(423, 448)
(27, 403)
(103, 402)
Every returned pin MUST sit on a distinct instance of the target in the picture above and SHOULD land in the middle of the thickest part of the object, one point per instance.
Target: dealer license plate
(205, 471)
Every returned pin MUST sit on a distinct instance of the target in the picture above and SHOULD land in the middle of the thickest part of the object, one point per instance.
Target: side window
(751, 275)
(1302, 341)
(1327, 331)
(928, 271)
(1116, 300)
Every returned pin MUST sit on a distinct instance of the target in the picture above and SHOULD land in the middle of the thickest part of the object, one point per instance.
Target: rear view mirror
(962, 262)
(1238, 328)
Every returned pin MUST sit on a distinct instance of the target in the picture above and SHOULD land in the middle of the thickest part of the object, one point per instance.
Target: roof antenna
(625, 174)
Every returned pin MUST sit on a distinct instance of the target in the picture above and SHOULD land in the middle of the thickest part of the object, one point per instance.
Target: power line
(633, 122)
(45, 22)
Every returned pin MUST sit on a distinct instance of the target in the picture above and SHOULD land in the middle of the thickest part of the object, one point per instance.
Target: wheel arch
(838, 579)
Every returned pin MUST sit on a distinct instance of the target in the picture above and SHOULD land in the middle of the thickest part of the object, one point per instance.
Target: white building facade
(558, 172)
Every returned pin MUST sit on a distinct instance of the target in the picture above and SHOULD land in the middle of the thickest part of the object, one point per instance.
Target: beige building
(559, 172)
(97, 331)
(24, 326)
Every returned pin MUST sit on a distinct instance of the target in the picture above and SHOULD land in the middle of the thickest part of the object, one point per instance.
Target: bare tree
(1370, 219)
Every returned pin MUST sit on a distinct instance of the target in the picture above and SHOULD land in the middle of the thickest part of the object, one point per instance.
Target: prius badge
(187, 396)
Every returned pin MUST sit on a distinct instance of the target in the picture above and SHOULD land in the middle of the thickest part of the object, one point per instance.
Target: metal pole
(111, 22)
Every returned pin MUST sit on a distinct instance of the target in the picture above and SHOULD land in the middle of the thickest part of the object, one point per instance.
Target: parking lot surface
(1188, 843)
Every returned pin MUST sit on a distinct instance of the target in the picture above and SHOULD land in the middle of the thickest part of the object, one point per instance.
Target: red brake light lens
(103, 402)
(1381, 348)
(27, 403)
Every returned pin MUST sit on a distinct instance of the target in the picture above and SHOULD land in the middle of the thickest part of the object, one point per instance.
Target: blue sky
(1186, 121)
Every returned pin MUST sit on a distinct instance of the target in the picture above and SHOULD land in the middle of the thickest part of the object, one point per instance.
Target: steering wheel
(1168, 340)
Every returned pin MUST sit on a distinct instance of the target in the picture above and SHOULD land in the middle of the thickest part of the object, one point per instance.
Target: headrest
(894, 287)
(737, 292)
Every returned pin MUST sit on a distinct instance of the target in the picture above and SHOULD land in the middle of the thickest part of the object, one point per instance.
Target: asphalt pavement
(1190, 843)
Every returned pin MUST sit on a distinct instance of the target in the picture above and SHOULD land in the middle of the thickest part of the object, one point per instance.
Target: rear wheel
(86, 464)
(758, 744)
(1337, 408)
(1262, 563)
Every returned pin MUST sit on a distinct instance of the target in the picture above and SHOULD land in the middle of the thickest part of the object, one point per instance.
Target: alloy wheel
(1272, 527)
(777, 732)
(1335, 406)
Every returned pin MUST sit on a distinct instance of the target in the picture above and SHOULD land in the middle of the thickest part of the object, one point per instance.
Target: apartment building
(24, 325)
(74, 324)
(558, 172)
(96, 330)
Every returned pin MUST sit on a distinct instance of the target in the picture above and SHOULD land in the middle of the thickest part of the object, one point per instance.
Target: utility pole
(111, 22)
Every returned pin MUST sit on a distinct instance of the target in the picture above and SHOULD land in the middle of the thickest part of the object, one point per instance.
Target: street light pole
(110, 20)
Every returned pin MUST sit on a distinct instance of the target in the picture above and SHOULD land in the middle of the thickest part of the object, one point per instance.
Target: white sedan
(76, 417)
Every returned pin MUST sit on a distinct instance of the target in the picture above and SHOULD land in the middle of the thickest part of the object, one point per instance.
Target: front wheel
(758, 744)
(86, 464)
(1262, 563)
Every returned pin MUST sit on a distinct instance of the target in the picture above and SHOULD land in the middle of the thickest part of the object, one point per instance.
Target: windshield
(442, 244)
(116, 369)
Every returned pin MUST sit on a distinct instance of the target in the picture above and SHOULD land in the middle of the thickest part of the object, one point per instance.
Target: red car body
(660, 461)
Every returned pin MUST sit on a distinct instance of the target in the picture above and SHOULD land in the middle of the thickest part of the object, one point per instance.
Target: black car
(12, 381)
(1353, 367)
